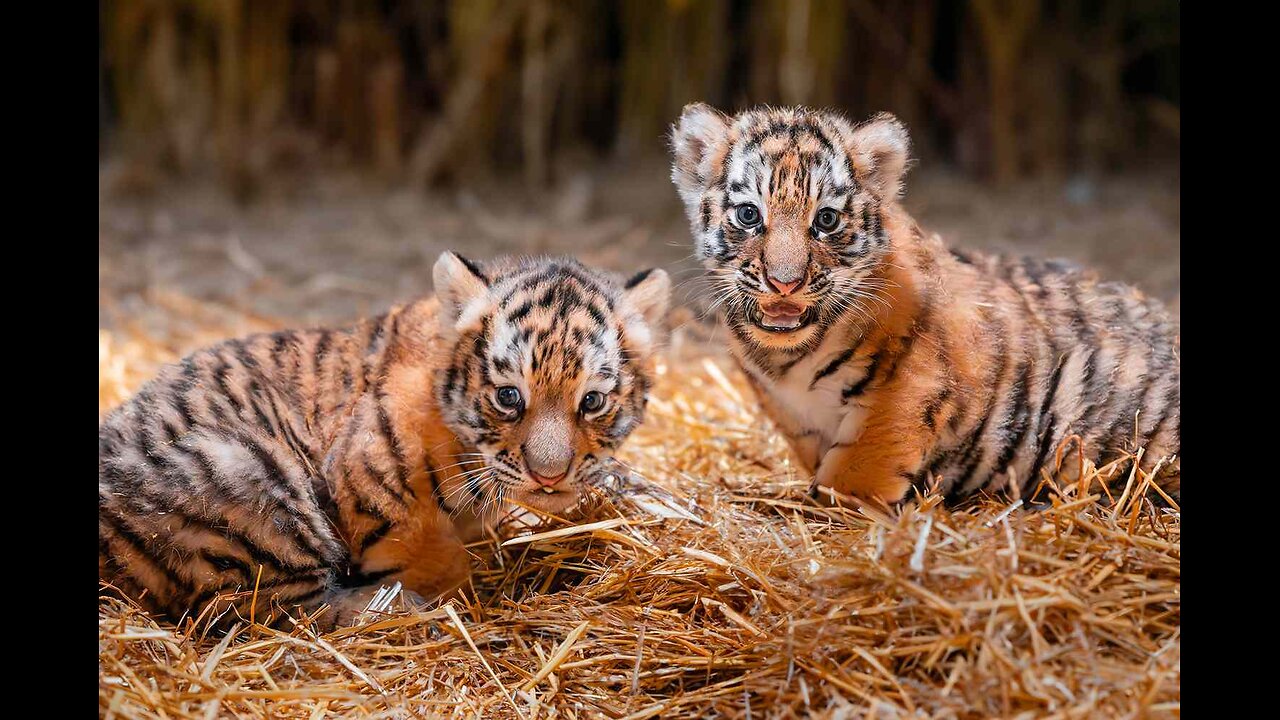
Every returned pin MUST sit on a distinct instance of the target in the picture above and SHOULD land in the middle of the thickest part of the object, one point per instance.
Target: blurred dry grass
(743, 601)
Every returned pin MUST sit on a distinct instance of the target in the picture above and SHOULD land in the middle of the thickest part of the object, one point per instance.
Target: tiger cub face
(786, 210)
(549, 370)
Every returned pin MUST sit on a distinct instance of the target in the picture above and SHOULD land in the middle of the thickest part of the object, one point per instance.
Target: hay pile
(719, 592)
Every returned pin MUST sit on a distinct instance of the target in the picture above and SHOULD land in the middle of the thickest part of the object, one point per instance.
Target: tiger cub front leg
(806, 444)
(877, 463)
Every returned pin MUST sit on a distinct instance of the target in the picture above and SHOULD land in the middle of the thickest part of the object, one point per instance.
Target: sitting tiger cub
(889, 361)
(317, 465)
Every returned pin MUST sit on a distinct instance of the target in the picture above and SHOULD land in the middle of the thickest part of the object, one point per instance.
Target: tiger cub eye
(509, 397)
(826, 220)
(592, 402)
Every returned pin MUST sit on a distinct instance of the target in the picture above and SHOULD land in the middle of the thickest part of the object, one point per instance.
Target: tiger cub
(313, 466)
(889, 361)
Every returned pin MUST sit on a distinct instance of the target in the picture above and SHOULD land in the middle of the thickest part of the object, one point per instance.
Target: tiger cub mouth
(781, 316)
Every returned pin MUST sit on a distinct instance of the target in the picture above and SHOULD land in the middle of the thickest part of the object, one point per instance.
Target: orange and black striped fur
(335, 461)
(889, 361)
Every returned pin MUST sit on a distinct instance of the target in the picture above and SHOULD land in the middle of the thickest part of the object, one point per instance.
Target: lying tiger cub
(318, 465)
(889, 361)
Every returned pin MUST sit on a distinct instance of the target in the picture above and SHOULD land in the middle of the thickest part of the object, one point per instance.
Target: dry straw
(706, 586)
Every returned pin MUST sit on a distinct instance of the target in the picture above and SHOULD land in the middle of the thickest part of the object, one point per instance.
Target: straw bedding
(703, 586)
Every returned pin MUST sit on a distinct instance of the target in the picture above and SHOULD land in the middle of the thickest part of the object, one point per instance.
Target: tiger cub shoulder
(889, 361)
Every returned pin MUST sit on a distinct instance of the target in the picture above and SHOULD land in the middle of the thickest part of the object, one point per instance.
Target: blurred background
(306, 161)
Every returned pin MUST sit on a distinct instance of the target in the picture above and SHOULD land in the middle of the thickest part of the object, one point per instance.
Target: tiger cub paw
(890, 500)
(353, 606)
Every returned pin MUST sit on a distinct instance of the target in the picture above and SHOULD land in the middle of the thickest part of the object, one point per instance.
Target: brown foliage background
(431, 92)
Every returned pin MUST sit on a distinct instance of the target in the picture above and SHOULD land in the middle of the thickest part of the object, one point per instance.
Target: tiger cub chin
(313, 466)
(889, 361)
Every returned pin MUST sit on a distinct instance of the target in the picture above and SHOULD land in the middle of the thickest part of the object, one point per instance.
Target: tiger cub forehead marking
(786, 160)
(555, 325)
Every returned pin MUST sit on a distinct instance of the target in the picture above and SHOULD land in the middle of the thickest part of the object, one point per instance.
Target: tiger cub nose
(784, 288)
(547, 468)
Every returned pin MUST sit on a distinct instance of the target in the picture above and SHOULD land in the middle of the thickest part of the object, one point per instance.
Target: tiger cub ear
(880, 149)
(645, 297)
(459, 284)
(694, 137)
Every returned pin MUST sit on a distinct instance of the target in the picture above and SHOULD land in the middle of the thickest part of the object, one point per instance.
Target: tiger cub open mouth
(781, 316)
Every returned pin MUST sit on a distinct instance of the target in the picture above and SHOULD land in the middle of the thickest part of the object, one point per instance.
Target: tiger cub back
(891, 362)
(310, 467)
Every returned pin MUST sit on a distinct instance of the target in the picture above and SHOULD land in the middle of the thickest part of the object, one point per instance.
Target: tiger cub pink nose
(547, 468)
(785, 288)
(548, 451)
